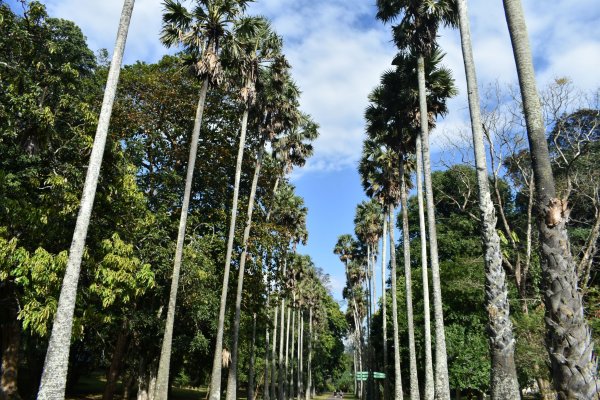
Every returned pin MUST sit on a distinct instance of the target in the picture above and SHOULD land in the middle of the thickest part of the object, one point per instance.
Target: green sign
(362, 375)
(378, 375)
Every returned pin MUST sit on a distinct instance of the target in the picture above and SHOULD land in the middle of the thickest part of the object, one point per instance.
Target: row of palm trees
(220, 44)
(402, 110)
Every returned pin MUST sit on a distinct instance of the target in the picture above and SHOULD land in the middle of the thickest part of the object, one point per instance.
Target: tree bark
(232, 377)
(215, 382)
(504, 383)
(301, 356)
(251, 366)
(280, 380)
(414, 380)
(162, 379)
(442, 385)
(291, 372)
(266, 392)
(568, 337)
(309, 363)
(398, 395)
(273, 349)
(115, 364)
(56, 364)
(429, 382)
(287, 353)
(386, 385)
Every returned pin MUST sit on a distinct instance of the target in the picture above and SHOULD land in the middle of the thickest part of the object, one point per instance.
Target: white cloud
(338, 51)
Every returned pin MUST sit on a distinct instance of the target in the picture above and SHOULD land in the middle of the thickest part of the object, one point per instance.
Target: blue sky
(338, 51)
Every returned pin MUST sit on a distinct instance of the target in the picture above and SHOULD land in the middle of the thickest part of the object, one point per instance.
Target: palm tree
(568, 337)
(56, 364)
(504, 383)
(379, 171)
(255, 44)
(345, 248)
(367, 222)
(417, 32)
(200, 32)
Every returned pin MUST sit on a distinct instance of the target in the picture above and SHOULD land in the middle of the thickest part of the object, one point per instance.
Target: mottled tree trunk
(215, 381)
(300, 355)
(266, 383)
(414, 380)
(162, 379)
(568, 337)
(56, 364)
(251, 366)
(442, 384)
(291, 372)
(280, 380)
(398, 395)
(287, 353)
(429, 382)
(386, 384)
(504, 383)
(232, 376)
(273, 350)
(309, 362)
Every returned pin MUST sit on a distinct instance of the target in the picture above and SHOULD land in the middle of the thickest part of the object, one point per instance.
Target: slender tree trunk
(369, 360)
(162, 380)
(215, 383)
(275, 187)
(10, 340)
(291, 372)
(429, 382)
(251, 366)
(273, 350)
(398, 395)
(568, 336)
(528, 235)
(354, 359)
(232, 377)
(266, 392)
(414, 380)
(54, 376)
(309, 364)
(287, 353)
(442, 385)
(504, 383)
(386, 385)
(300, 353)
(115, 364)
(280, 380)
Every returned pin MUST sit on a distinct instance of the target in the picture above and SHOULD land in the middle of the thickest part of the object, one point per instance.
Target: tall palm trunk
(215, 382)
(280, 380)
(232, 377)
(266, 395)
(429, 384)
(504, 383)
(56, 364)
(442, 384)
(309, 363)
(251, 366)
(398, 395)
(287, 353)
(273, 349)
(414, 380)
(568, 337)
(162, 380)
(300, 355)
(386, 385)
(290, 377)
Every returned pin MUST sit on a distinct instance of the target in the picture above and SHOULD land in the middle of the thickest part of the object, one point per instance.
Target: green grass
(91, 388)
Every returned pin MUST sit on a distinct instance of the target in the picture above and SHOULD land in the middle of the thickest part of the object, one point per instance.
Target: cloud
(338, 52)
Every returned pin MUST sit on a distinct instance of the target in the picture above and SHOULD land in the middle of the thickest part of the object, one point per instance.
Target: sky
(338, 51)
